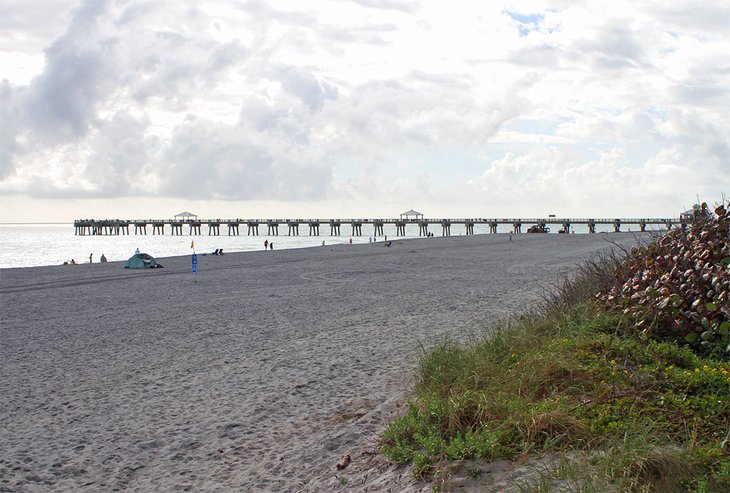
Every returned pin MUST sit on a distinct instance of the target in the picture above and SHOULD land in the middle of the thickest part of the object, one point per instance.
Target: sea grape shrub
(682, 283)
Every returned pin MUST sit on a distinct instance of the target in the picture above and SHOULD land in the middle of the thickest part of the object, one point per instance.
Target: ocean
(32, 245)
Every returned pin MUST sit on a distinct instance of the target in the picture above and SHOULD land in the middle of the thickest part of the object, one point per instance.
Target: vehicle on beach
(537, 228)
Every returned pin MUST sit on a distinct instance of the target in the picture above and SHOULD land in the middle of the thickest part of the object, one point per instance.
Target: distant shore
(260, 372)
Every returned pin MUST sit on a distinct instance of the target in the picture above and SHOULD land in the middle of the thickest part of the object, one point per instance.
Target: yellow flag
(192, 244)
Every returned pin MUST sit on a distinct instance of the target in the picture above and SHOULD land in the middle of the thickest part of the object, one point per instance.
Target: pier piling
(356, 228)
(378, 227)
(445, 227)
(335, 227)
(293, 227)
(233, 228)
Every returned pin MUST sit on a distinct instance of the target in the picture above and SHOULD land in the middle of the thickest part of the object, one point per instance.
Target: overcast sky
(362, 108)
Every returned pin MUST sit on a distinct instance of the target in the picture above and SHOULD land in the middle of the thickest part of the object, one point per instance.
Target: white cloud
(585, 106)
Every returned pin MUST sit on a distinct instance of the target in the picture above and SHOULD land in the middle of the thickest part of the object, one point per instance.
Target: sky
(362, 108)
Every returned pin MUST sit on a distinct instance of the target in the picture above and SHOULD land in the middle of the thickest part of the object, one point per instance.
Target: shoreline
(330, 241)
(260, 372)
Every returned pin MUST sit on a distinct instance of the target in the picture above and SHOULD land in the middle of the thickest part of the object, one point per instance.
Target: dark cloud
(8, 129)
(61, 102)
(537, 56)
(311, 91)
(208, 160)
(371, 34)
(410, 7)
(24, 28)
(120, 159)
(262, 12)
(702, 17)
(614, 47)
(702, 91)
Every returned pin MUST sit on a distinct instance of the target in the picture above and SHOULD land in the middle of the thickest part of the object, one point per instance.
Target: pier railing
(195, 226)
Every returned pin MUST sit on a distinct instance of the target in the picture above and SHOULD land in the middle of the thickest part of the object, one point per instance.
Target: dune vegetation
(622, 377)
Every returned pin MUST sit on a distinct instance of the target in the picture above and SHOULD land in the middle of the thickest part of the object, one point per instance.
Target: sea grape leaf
(724, 328)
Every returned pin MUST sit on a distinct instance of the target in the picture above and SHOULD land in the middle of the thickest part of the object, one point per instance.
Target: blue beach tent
(142, 261)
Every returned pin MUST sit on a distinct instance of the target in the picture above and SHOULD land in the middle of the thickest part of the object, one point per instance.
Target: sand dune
(259, 373)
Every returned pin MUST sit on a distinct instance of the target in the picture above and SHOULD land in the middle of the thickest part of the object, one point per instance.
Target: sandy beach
(258, 373)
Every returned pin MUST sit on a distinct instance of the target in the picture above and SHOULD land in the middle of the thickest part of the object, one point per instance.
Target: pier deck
(113, 227)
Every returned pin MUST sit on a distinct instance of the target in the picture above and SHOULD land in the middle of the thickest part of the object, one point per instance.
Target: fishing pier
(194, 226)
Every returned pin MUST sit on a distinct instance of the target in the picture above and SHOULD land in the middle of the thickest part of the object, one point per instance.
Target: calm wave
(31, 245)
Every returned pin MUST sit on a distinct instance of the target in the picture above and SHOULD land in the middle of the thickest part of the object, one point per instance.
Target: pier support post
(356, 228)
(642, 225)
(176, 228)
(313, 228)
(233, 228)
(517, 227)
(400, 228)
(423, 228)
(335, 227)
(158, 227)
(378, 227)
(214, 228)
(617, 225)
(493, 226)
(272, 228)
(293, 228)
(469, 225)
(195, 227)
(445, 227)
(253, 227)
(591, 225)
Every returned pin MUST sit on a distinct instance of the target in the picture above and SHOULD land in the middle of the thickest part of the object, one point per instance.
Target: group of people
(268, 245)
(102, 259)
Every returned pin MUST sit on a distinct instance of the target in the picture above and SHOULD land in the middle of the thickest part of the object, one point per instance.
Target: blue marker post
(195, 263)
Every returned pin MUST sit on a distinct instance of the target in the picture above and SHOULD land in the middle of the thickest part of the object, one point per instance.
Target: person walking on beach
(266, 244)
(91, 258)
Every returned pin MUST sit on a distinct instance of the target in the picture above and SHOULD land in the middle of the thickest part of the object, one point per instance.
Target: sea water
(31, 245)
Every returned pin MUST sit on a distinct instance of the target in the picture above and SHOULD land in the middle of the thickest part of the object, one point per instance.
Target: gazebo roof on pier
(411, 213)
(186, 215)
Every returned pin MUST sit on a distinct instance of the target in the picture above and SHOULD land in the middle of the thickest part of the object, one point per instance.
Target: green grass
(627, 413)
